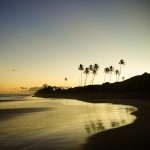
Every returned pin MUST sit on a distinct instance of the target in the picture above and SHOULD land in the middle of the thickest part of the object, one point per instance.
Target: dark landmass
(135, 87)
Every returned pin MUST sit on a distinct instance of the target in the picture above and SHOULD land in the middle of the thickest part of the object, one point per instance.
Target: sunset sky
(44, 41)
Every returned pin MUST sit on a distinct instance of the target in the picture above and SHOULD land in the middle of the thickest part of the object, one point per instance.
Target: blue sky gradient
(44, 41)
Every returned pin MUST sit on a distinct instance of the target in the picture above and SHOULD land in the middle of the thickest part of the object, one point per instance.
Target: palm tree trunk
(110, 78)
(104, 77)
(119, 73)
(116, 77)
(81, 77)
(85, 80)
(79, 82)
(93, 79)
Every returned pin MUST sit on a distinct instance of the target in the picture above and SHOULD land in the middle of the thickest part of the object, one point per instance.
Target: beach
(133, 136)
(46, 123)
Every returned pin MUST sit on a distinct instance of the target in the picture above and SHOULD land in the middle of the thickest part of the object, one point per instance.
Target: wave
(12, 96)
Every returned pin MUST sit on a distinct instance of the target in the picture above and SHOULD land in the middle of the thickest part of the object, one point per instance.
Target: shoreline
(133, 136)
(129, 100)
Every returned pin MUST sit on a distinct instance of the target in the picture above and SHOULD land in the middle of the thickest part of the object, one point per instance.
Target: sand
(133, 136)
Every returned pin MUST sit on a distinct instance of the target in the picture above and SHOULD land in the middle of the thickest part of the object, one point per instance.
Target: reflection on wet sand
(94, 127)
(115, 117)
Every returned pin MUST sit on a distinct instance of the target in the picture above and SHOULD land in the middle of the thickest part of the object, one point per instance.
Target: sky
(44, 41)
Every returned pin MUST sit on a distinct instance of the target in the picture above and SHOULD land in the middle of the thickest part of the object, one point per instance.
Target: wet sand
(9, 113)
(133, 136)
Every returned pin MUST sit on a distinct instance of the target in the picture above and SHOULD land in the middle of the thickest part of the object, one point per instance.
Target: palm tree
(117, 73)
(94, 71)
(81, 68)
(65, 82)
(96, 66)
(91, 67)
(111, 69)
(106, 71)
(86, 71)
(121, 62)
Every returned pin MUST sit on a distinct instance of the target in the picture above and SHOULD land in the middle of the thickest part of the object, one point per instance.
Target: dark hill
(135, 87)
(140, 83)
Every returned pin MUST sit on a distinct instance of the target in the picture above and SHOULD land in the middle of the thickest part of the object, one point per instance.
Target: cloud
(14, 70)
(33, 89)
(23, 88)
(30, 90)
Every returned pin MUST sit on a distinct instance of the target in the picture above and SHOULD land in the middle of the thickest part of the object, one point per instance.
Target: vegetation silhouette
(86, 71)
(135, 87)
(117, 72)
(106, 71)
(111, 69)
(121, 62)
(94, 71)
(91, 69)
(81, 68)
(65, 82)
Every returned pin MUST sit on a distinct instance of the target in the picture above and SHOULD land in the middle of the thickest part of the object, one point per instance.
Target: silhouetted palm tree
(81, 68)
(117, 73)
(96, 66)
(86, 71)
(121, 62)
(65, 82)
(111, 69)
(94, 71)
(91, 67)
(106, 71)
